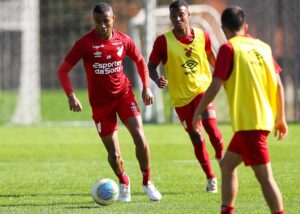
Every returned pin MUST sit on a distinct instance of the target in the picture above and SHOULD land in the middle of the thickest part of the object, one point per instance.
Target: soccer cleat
(152, 192)
(212, 185)
(124, 193)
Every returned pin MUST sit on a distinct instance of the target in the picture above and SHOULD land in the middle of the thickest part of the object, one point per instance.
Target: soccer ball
(105, 191)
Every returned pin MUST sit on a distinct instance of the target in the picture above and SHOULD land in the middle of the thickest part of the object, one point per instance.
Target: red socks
(123, 178)
(226, 209)
(215, 136)
(280, 212)
(203, 158)
(146, 175)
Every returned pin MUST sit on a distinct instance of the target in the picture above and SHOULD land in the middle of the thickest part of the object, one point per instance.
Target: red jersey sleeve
(207, 42)
(71, 59)
(134, 54)
(224, 63)
(63, 77)
(74, 54)
(159, 51)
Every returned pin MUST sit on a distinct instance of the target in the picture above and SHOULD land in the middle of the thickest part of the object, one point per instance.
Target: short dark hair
(177, 4)
(233, 18)
(102, 7)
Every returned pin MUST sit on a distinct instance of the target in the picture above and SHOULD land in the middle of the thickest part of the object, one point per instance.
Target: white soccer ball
(105, 191)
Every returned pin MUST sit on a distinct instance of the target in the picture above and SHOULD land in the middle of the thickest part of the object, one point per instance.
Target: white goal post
(26, 21)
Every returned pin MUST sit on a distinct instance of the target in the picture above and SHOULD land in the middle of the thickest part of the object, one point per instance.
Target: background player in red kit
(110, 94)
(255, 95)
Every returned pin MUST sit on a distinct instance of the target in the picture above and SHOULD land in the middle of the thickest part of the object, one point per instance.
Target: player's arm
(160, 81)
(222, 72)
(158, 54)
(147, 95)
(210, 94)
(281, 128)
(211, 58)
(63, 76)
(208, 49)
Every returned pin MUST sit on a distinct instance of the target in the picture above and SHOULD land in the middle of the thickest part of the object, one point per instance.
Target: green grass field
(51, 169)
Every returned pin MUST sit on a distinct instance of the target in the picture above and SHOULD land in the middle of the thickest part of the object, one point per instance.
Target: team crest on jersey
(120, 51)
(188, 51)
(97, 52)
(189, 66)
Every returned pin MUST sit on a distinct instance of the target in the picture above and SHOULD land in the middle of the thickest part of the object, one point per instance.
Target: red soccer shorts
(186, 113)
(105, 117)
(252, 146)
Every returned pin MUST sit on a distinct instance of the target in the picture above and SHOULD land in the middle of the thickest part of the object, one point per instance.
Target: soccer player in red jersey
(110, 94)
(185, 53)
(255, 94)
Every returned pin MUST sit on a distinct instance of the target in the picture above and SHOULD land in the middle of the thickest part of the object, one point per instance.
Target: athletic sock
(215, 136)
(203, 158)
(226, 209)
(123, 178)
(146, 175)
(280, 212)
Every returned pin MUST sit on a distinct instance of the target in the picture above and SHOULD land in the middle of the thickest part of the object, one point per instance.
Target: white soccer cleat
(124, 193)
(152, 192)
(212, 185)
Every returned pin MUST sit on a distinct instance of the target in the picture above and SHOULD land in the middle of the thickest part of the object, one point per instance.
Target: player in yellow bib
(185, 53)
(246, 68)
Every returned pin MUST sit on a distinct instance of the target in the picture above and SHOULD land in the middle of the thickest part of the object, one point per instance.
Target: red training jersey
(224, 63)
(159, 51)
(103, 63)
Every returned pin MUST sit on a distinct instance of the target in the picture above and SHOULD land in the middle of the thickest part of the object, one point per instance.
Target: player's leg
(269, 187)
(106, 122)
(209, 122)
(229, 180)
(130, 115)
(135, 127)
(185, 115)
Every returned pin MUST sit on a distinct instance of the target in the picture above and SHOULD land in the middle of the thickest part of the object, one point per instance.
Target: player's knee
(114, 158)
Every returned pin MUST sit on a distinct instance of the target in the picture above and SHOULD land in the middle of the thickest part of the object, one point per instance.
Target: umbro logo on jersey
(189, 65)
(97, 52)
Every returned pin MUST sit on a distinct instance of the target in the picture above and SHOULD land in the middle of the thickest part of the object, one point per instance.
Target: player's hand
(196, 123)
(281, 129)
(74, 103)
(161, 82)
(147, 96)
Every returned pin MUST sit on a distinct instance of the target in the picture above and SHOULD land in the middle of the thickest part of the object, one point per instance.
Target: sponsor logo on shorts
(99, 127)
(184, 124)
(134, 107)
(107, 68)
